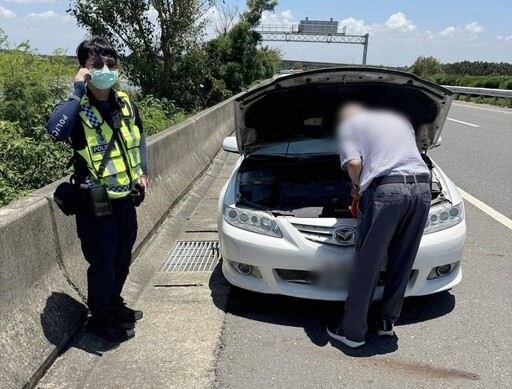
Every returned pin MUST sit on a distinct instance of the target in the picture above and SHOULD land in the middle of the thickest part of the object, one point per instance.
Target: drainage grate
(193, 256)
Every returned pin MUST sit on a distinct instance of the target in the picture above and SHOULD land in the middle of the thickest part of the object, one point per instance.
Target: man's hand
(83, 75)
(354, 192)
(143, 180)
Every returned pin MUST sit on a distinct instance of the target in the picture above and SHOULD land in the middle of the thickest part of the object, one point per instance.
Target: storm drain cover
(193, 256)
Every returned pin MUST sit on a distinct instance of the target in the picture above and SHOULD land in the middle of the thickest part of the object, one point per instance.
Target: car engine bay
(302, 187)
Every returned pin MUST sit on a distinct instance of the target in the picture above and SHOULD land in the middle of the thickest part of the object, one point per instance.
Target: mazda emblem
(345, 236)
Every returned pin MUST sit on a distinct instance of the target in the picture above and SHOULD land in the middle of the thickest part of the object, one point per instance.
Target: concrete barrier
(42, 271)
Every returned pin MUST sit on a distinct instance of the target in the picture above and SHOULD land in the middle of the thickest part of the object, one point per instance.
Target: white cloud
(284, 18)
(354, 26)
(399, 22)
(396, 23)
(449, 31)
(474, 27)
(505, 38)
(287, 16)
(468, 32)
(6, 13)
(46, 15)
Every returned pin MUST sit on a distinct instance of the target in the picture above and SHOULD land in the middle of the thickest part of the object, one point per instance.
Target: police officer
(378, 148)
(90, 119)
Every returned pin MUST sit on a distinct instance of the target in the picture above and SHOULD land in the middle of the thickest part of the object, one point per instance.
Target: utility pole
(365, 48)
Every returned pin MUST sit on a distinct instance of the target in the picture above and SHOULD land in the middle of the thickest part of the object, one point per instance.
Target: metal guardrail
(489, 92)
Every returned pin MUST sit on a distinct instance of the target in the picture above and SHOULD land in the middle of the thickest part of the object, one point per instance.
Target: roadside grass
(499, 101)
(494, 82)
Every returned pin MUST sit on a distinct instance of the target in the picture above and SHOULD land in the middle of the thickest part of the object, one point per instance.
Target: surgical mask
(104, 78)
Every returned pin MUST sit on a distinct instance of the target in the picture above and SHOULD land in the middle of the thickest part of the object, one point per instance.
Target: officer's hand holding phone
(83, 75)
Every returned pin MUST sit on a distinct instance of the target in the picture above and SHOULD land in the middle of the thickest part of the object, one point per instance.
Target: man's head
(350, 109)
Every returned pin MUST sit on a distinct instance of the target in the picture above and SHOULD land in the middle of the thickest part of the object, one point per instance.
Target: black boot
(125, 315)
(111, 332)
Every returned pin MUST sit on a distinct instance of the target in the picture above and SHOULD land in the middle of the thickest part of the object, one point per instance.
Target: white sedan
(284, 219)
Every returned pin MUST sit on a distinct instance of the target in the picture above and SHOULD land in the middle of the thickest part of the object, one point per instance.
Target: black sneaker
(124, 315)
(335, 331)
(385, 328)
(112, 332)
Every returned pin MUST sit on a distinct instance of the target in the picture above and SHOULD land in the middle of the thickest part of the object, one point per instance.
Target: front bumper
(295, 252)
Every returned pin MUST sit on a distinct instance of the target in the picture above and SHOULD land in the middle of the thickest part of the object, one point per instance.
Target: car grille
(319, 234)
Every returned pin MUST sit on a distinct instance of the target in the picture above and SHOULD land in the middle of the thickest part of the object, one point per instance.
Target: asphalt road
(456, 339)
(479, 159)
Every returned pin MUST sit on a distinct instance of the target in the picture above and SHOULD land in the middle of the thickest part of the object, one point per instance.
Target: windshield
(300, 148)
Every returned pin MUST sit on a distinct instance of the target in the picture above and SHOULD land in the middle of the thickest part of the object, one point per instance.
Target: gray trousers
(391, 224)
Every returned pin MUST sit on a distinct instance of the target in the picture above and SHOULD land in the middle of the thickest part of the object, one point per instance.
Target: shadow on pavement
(313, 315)
(62, 317)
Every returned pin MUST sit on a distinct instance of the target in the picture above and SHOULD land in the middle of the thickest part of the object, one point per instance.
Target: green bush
(28, 162)
(507, 84)
(158, 114)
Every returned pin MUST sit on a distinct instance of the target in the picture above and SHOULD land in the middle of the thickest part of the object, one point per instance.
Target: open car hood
(304, 105)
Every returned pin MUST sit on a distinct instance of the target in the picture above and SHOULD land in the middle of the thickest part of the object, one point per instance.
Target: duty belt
(414, 179)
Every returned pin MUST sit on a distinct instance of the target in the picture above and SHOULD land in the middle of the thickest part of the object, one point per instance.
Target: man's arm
(62, 120)
(350, 155)
(349, 152)
(354, 167)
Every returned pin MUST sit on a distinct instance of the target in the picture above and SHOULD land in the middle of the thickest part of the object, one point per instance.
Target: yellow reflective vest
(123, 165)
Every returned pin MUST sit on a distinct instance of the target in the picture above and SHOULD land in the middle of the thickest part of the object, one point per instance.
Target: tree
(150, 35)
(255, 10)
(228, 13)
(426, 67)
(236, 58)
(270, 60)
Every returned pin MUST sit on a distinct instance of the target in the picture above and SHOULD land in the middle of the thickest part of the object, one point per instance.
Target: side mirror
(230, 145)
(438, 143)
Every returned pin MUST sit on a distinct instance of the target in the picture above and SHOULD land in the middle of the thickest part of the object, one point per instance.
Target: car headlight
(254, 221)
(444, 216)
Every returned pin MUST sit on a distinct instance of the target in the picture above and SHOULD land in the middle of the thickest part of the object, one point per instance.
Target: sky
(400, 30)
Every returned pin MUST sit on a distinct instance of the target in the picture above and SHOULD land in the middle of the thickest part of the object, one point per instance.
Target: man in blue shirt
(93, 118)
(378, 148)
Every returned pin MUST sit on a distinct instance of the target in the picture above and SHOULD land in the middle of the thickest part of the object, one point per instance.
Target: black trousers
(391, 224)
(107, 243)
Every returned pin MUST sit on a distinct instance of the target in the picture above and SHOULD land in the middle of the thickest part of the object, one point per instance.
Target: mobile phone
(100, 202)
(87, 77)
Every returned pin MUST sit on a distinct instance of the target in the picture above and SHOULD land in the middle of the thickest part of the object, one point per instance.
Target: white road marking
(466, 123)
(488, 210)
(484, 109)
